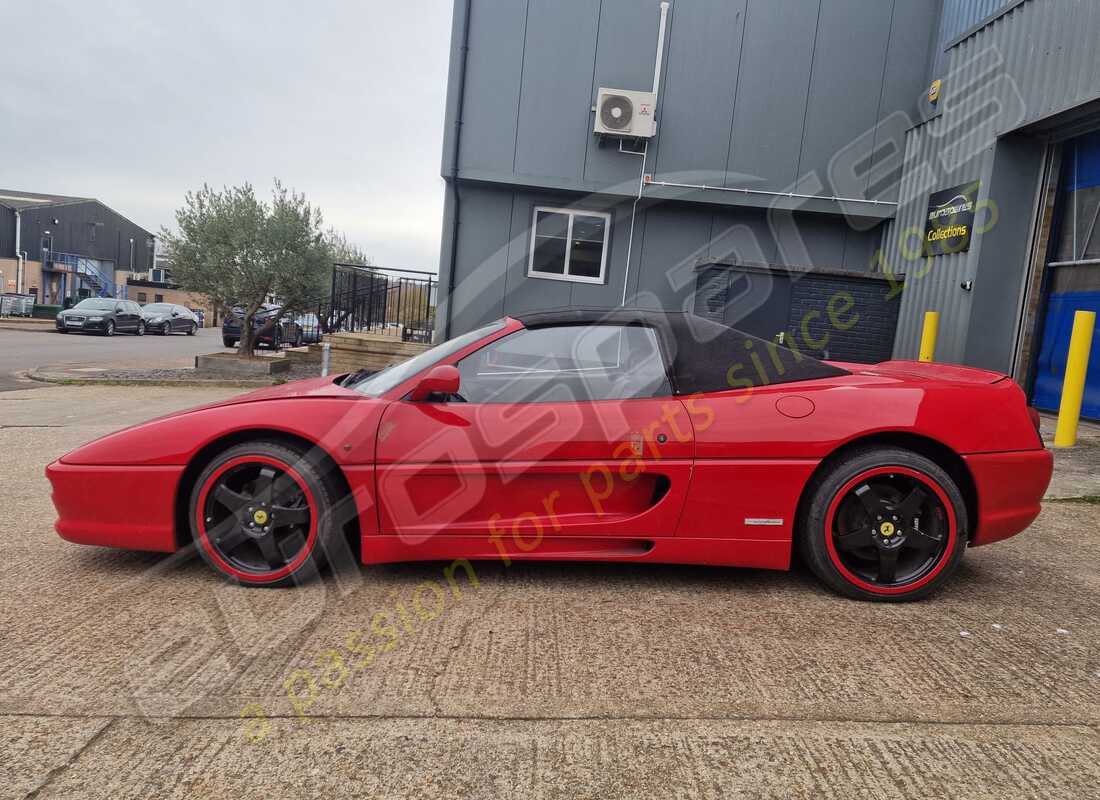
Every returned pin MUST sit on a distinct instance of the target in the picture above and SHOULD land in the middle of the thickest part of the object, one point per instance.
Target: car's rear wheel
(260, 515)
(884, 524)
(191, 330)
(227, 342)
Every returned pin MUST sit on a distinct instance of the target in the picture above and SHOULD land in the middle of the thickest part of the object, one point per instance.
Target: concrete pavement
(22, 350)
(136, 675)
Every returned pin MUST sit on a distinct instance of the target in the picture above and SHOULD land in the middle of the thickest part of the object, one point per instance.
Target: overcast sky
(136, 101)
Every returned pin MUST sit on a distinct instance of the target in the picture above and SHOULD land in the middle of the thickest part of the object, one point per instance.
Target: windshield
(379, 383)
(95, 304)
(158, 308)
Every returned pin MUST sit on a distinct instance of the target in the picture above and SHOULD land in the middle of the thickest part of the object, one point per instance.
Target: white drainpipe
(660, 48)
(18, 260)
(645, 153)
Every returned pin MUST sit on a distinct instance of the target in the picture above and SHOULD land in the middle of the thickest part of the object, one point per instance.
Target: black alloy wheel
(259, 514)
(883, 524)
(890, 529)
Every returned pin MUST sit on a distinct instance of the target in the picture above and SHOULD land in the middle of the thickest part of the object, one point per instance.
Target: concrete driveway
(135, 675)
(25, 350)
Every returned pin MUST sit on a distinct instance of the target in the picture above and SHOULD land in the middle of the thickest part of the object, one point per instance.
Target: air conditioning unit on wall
(620, 112)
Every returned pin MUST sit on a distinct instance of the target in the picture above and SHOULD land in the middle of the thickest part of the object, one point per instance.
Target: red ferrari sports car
(613, 436)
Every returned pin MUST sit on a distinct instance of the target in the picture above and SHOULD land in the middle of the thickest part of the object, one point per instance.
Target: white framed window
(569, 245)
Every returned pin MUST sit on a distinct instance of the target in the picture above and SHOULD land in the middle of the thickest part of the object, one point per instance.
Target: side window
(569, 362)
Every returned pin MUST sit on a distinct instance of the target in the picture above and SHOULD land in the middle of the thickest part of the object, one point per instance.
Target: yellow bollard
(928, 335)
(1073, 386)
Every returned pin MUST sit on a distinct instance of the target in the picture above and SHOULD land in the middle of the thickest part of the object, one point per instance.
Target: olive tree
(238, 250)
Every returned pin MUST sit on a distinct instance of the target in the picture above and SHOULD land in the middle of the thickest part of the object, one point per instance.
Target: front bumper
(127, 507)
(82, 326)
(1010, 489)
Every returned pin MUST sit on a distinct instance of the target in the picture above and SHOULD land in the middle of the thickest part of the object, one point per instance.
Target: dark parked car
(165, 318)
(288, 332)
(102, 315)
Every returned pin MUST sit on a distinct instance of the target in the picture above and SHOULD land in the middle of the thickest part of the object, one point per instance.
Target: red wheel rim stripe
(215, 556)
(952, 529)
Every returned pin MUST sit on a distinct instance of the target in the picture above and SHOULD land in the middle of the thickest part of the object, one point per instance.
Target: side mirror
(442, 379)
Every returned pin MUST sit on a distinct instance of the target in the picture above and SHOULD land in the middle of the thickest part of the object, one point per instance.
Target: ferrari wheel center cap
(887, 529)
(260, 517)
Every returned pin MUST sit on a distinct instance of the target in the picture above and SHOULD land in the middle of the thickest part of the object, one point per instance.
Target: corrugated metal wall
(930, 284)
(961, 15)
(1034, 61)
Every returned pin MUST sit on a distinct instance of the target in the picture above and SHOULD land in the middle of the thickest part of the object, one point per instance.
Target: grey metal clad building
(55, 246)
(818, 170)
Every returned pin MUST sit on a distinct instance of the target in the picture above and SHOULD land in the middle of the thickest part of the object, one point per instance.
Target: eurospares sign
(950, 220)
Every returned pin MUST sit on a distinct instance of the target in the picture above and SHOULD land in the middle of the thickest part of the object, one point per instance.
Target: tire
(141, 329)
(192, 329)
(109, 329)
(883, 524)
(227, 342)
(231, 519)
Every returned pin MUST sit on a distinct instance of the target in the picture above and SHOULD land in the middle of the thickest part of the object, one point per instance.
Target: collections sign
(950, 220)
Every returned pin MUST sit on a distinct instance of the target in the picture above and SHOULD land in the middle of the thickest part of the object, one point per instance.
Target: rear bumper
(127, 507)
(1010, 488)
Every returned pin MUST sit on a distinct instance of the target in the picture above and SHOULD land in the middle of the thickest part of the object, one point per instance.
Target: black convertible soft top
(705, 356)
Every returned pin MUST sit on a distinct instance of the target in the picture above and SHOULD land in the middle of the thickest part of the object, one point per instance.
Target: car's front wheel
(109, 329)
(141, 329)
(226, 341)
(883, 524)
(260, 514)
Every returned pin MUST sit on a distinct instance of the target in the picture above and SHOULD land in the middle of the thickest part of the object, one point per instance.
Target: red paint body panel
(567, 468)
(345, 427)
(747, 423)
(1010, 489)
(115, 506)
(726, 494)
(584, 480)
(423, 500)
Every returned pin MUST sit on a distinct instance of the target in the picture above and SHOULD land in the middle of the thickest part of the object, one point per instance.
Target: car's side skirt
(762, 554)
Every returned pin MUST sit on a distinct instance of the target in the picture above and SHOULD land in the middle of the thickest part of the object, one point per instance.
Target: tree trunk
(248, 337)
